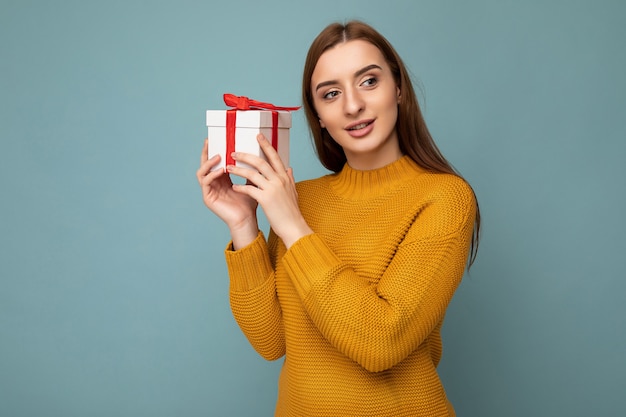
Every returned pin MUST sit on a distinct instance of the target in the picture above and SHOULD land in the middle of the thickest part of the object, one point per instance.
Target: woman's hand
(236, 209)
(274, 188)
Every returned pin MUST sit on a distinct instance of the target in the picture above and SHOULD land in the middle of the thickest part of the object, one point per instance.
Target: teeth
(359, 126)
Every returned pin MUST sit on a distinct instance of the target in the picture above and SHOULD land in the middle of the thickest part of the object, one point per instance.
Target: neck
(381, 157)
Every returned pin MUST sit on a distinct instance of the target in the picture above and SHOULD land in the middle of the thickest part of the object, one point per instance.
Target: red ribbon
(242, 103)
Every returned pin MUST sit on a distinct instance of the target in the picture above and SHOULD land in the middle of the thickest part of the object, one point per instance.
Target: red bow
(244, 103)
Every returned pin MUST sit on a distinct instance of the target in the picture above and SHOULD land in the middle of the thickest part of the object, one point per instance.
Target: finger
(249, 190)
(205, 151)
(207, 182)
(270, 153)
(269, 168)
(252, 176)
(258, 165)
(206, 166)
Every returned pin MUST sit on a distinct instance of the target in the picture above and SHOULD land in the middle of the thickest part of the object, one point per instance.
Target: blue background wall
(113, 290)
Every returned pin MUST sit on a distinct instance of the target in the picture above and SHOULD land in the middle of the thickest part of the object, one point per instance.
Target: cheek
(321, 116)
(325, 118)
(393, 107)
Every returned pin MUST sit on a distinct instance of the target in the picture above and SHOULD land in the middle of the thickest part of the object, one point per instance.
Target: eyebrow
(356, 74)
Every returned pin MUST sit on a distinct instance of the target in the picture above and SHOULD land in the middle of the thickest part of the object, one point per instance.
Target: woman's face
(356, 99)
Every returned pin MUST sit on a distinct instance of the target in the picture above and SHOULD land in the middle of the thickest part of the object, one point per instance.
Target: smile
(360, 125)
(360, 128)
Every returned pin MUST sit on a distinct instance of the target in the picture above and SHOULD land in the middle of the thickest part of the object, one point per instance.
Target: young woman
(353, 282)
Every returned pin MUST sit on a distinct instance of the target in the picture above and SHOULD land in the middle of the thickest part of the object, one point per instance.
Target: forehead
(344, 59)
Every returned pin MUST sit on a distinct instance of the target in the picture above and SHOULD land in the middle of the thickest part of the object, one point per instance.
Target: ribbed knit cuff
(249, 266)
(308, 262)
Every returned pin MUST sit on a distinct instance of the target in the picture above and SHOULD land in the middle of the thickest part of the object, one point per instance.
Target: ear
(398, 94)
(322, 125)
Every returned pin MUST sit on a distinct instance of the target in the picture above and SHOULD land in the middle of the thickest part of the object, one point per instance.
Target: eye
(330, 95)
(370, 82)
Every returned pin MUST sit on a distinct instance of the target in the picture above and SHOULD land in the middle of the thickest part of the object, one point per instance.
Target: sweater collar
(353, 184)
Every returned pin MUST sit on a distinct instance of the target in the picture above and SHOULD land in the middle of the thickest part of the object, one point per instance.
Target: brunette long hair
(413, 135)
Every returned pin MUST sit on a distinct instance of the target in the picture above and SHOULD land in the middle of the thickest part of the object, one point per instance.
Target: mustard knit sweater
(356, 308)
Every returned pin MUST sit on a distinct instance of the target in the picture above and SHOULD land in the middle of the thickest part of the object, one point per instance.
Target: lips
(360, 128)
(359, 125)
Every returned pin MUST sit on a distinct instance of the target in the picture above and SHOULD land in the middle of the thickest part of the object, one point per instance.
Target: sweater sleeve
(378, 324)
(253, 297)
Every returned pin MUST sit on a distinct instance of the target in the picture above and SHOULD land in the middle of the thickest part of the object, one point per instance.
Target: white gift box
(249, 124)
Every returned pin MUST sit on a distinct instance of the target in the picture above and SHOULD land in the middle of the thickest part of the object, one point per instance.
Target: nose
(353, 102)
